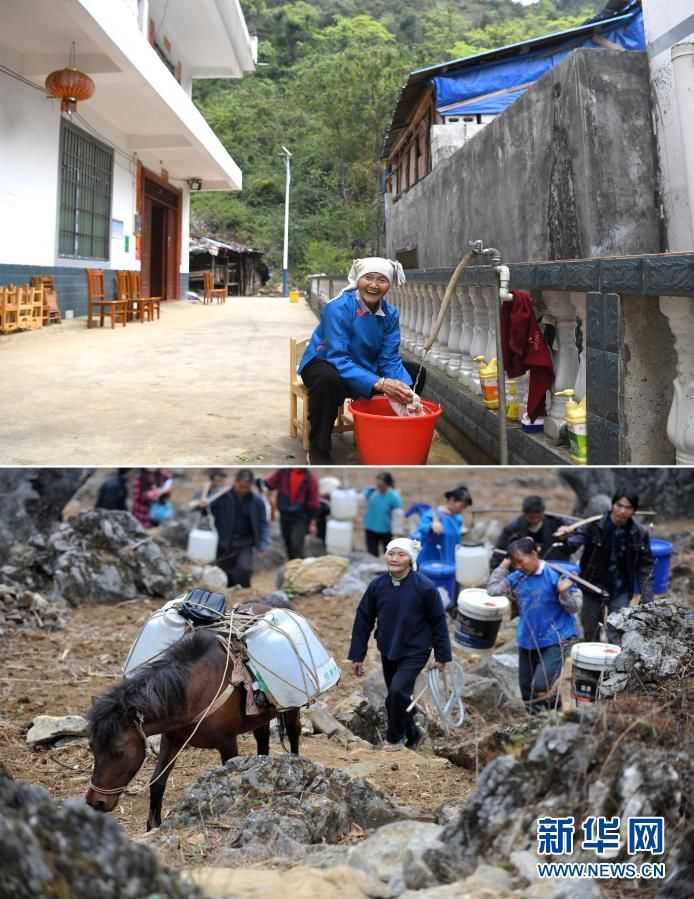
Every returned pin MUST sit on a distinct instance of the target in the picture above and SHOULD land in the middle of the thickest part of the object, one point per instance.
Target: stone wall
(568, 171)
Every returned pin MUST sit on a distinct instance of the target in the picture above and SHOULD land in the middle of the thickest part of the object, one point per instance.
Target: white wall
(29, 140)
(666, 23)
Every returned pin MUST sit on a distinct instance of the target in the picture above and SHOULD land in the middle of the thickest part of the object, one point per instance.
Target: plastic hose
(451, 683)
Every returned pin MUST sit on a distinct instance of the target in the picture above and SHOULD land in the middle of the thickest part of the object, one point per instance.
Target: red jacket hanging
(525, 348)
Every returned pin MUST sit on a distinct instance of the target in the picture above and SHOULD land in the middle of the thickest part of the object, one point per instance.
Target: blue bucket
(661, 551)
(443, 575)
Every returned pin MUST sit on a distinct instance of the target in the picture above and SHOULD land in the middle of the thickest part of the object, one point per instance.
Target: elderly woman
(354, 351)
(411, 621)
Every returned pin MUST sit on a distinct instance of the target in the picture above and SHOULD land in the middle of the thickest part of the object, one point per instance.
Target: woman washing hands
(354, 351)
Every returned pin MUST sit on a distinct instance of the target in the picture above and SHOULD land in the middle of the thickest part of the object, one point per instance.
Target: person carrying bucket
(354, 352)
(440, 529)
(411, 621)
(616, 551)
(547, 604)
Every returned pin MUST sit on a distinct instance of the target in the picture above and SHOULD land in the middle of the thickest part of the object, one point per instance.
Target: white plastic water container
(202, 543)
(397, 522)
(338, 537)
(327, 484)
(162, 629)
(344, 504)
(291, 664)
(478, 618)
(590, 662)
(471, 564)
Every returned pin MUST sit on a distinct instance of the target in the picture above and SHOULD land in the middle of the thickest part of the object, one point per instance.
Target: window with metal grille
(86, 176)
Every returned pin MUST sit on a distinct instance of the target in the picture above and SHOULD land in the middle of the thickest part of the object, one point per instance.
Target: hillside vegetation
(327, 81)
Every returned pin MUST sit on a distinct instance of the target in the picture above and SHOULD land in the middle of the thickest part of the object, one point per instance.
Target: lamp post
(285, 258)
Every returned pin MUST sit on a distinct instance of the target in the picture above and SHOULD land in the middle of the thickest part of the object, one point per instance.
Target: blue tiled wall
(71, 283)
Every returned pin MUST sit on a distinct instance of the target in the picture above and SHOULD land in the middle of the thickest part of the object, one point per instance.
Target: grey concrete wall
(649, 368)
(567, 172)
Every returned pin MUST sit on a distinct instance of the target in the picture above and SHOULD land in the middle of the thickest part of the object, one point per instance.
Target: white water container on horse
(478, 618)
(338, 537)
(162, 629)
(290, 663)
(202, 541)
(471, 564)
(344, 504)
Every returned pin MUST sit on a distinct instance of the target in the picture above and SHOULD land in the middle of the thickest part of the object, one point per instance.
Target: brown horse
(167, 697)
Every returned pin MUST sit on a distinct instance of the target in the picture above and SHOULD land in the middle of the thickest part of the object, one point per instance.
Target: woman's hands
(358, 669)
(395, 390)
(564, 584)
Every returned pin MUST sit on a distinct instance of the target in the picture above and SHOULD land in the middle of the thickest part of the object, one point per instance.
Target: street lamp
(285, 258)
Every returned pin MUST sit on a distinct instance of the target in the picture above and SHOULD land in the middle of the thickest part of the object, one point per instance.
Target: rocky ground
(56, 655)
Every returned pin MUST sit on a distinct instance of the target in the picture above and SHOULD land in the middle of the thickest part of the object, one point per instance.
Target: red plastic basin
(384, 438)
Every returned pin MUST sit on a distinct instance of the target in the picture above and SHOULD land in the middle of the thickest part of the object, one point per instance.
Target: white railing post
(480, 336)
(455, 334)
(680, 423)
(466, 333)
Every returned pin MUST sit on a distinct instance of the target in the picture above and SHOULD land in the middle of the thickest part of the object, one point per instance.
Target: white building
(108, 186)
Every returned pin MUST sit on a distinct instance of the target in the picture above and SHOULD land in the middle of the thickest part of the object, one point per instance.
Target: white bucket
(478, 618)
(289, 661)
(471, 564)
(202, 543)
(590, 662)
(344, 504)
(338, 537)
(164, 627)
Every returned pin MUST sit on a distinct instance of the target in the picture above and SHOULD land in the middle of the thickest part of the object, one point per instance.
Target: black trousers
(400, 675)
(374, 540)
(237, 563)
(327, 392)
(294, 528)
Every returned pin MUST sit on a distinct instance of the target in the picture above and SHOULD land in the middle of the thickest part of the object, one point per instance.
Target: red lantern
(70, 85)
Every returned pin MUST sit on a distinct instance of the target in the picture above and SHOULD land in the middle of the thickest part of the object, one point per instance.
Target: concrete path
(204, 385)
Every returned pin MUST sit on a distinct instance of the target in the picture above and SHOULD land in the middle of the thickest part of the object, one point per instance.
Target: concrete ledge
(474, 430)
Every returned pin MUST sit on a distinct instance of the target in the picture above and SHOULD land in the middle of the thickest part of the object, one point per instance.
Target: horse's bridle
(138, 721)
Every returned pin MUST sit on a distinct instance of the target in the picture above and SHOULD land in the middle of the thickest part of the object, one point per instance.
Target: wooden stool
(298, 391)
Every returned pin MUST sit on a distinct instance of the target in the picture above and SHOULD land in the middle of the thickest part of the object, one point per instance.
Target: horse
(168, 696)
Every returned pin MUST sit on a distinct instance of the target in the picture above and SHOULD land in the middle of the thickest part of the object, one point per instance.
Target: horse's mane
(157, 690)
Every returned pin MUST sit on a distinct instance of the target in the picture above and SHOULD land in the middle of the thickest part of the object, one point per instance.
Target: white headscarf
(392, 270)
(411, 547)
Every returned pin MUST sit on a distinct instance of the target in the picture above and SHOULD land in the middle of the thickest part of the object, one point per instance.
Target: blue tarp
(489, 88)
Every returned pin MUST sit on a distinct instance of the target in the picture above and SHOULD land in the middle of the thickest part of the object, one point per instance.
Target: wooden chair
(97, 302)
(152, 304)
(211, 292)
(137, 308)
(9, 309)
(51, 307)
(298, 391)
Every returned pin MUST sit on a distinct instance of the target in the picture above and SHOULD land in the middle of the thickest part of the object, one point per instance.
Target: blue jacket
(361, 346)
(448, 540)
(544, 619)
(411, 619)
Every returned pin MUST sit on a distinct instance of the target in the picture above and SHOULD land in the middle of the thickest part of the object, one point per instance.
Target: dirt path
(203, 385)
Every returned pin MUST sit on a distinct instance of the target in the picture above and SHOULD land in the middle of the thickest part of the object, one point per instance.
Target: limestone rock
(49, 728)
(394, 854)
(300, 882)
(362, 718)
(313, 574)
(325, 723)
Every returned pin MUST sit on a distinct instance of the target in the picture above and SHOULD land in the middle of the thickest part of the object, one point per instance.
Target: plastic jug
(289, 661)
(489, 382)
(338, 537)
(575, 416)
(344, 504)
(202, 542)
(513, 401)
(471, 564)
(162, 629)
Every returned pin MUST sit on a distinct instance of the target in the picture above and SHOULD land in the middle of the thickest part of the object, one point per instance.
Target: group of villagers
(410, 619)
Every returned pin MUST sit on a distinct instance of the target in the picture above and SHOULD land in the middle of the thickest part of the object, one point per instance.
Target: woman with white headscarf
(411, 621)
(354, 351)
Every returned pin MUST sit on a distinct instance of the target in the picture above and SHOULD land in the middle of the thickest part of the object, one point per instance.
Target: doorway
(160, 242)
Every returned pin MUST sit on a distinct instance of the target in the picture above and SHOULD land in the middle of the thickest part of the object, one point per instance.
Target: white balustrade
(455, 333)
(428, 302)
(579, 301)
(443, 354)
(480, 336)
(565, 358)
(418, 336)
(491, 298)
(466, 333)
(680, 423)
